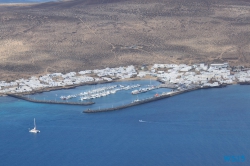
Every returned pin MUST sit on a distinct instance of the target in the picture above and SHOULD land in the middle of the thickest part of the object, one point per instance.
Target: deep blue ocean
(204, 127)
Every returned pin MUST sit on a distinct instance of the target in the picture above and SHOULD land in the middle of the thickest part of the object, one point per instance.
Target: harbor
(143, 101)
(144, 90)
(154, 98)
(101, 86)
(170, 75)
(97, 95)
(107, 93)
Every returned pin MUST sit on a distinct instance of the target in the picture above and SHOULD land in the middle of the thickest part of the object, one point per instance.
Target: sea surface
(203, 127)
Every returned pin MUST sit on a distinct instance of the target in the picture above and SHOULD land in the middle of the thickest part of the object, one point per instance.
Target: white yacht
(34, 130)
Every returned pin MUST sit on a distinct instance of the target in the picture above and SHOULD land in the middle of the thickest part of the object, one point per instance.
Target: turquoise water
(195, 128)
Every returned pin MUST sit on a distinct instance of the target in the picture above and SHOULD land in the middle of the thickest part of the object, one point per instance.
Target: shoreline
(95, 83)
(171, 76)
(74, 86)
(29, 2)
(144, 101)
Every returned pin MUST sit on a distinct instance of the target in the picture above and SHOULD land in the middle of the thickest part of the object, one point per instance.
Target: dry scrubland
(77, 35)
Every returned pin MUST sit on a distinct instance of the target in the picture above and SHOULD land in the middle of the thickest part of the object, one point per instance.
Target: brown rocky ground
(87, 34)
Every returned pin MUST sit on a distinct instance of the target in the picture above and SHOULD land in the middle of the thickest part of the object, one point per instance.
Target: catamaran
(34, 130)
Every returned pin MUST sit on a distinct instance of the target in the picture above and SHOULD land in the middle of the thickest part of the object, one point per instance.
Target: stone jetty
(48, 101)
(155, 98)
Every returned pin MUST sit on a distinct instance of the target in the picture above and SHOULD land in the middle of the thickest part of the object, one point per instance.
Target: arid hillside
(86, 34)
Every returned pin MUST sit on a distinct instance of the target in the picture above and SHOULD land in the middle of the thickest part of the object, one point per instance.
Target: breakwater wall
(141, 101)
(244, 83)
(49, 101)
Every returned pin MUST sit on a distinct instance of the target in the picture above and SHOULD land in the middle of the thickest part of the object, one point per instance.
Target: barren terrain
(81, 34)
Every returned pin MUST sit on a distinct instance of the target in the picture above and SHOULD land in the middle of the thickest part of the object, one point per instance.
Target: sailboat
(34, 130)
(136, 100)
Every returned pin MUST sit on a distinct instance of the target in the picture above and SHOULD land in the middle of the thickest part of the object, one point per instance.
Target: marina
(144, 90)
(154, 98)
(94, 94)
(170, 75)
(123, 90)
(104, 91)
(99, 92)
(142, 101)
(180, 78)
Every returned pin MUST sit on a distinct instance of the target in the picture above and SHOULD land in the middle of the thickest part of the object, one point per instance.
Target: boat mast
(34, 123)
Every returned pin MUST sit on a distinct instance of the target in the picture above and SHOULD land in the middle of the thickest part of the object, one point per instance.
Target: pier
(163, 96)
(144, 90)
(49, 101)
(244, 83)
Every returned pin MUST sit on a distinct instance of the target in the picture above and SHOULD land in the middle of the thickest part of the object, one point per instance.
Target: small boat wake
(142, 121)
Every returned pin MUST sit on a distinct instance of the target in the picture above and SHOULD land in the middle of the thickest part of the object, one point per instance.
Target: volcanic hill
(85, 34)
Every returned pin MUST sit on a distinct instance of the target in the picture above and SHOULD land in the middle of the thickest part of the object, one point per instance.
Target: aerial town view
(124, 82)
(180, 78)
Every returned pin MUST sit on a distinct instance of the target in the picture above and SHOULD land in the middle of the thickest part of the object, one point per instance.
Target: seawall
(150, 99)
(48, 102)
(139, 102)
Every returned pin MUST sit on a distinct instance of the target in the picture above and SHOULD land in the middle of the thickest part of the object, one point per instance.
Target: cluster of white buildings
(198, 74)
(120, 72)
(68, 79)
(195, 74)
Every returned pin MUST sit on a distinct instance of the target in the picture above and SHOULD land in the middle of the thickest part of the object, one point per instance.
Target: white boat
(135, 92)
(113, 91)
(136, 100)
(34, 130)
(63, 97)
(141, 121)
